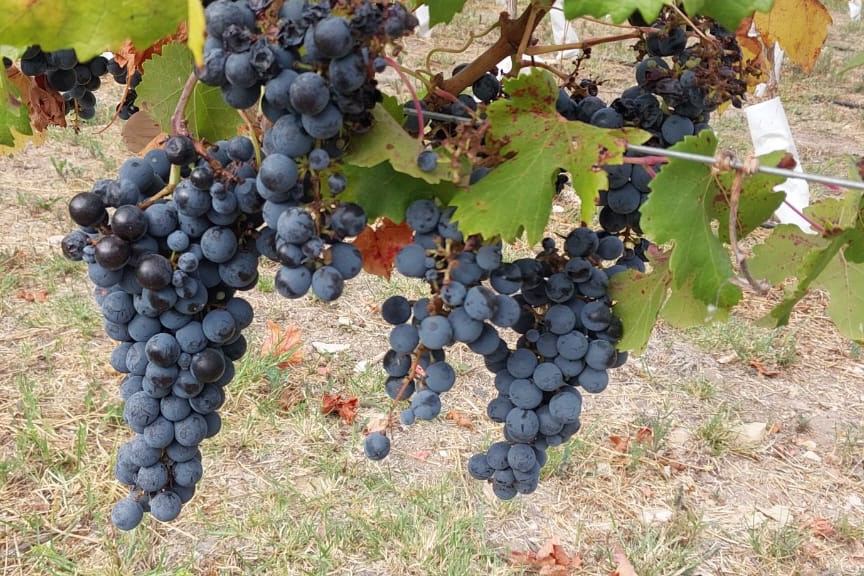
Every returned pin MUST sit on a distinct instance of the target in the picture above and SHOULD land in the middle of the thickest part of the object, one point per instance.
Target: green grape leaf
(517, 195)
(89, 26)
(387, 141)
(207, 114)
(638, 299)
(14, 117)
(394, 108)
(618, 10)
(729, 13)
(756, 203)
(843, 280)
(836, 213)
(813, 265)
(441, 11)
(382, 191)
(816, 262)
(682, 310)
(681, 209)
(782, 254)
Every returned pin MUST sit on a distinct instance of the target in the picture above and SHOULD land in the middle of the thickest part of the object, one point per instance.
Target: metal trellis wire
(710, 160)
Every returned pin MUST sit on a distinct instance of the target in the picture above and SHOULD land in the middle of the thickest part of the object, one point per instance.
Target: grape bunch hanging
(171, 241)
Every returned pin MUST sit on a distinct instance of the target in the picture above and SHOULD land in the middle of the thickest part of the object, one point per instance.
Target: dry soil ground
(745, 471)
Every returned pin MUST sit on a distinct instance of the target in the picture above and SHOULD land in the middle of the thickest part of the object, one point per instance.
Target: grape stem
(395, 65)
(734, 199)
(415, 363)
(526, 37)
(537, 50)
(815, 225)
(687, 19)
(178, 119)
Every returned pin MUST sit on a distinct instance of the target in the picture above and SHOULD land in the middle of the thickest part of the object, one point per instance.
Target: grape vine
(280, 143)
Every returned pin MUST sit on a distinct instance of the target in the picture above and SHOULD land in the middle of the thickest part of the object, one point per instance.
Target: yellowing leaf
(800, 26)
(196, 31)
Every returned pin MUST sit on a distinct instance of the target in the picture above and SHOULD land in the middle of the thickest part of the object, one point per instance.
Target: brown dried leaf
(460, 419)
(141, 133)
(645, 435)
(625, 568)
(346, 408)
(380, 245)
(290, 397)
(421, 455)
(820, 527)
(283, 344)
(762, 369)
(549, 560)
(620, 443)
(44, 104)
(37, 296)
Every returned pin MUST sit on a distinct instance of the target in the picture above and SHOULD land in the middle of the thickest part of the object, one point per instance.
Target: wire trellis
(733, 163)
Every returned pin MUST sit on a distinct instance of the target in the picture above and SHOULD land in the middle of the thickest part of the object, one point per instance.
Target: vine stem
(420, 124)
(552, 69)
(734, 199)
(537, 50)
(178, 120)
(526, 37)
(507, 44)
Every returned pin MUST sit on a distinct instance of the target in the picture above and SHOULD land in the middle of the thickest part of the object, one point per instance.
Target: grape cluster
(77, 81)
(678, 85)
(317, 75)
(166, 272)
(558, 304)
(127, 107)
(567, 345)
(461, 309)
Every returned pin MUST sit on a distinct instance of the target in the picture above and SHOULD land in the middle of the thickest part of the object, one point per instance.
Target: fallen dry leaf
(37, 296)
(460, 419)
(290, 397)
(820, 527)
(421, 455)
(549, 560)
(625, 568)
(380, 245)
(282, 344)
(644, 435)
(762, 370)
(620, 443)
(346, 408)
(379, 424)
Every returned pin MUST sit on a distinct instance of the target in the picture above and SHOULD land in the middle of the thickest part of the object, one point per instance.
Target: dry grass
(288, 491)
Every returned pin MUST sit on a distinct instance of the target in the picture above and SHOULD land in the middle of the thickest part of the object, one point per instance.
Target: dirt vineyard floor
(723, 450)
